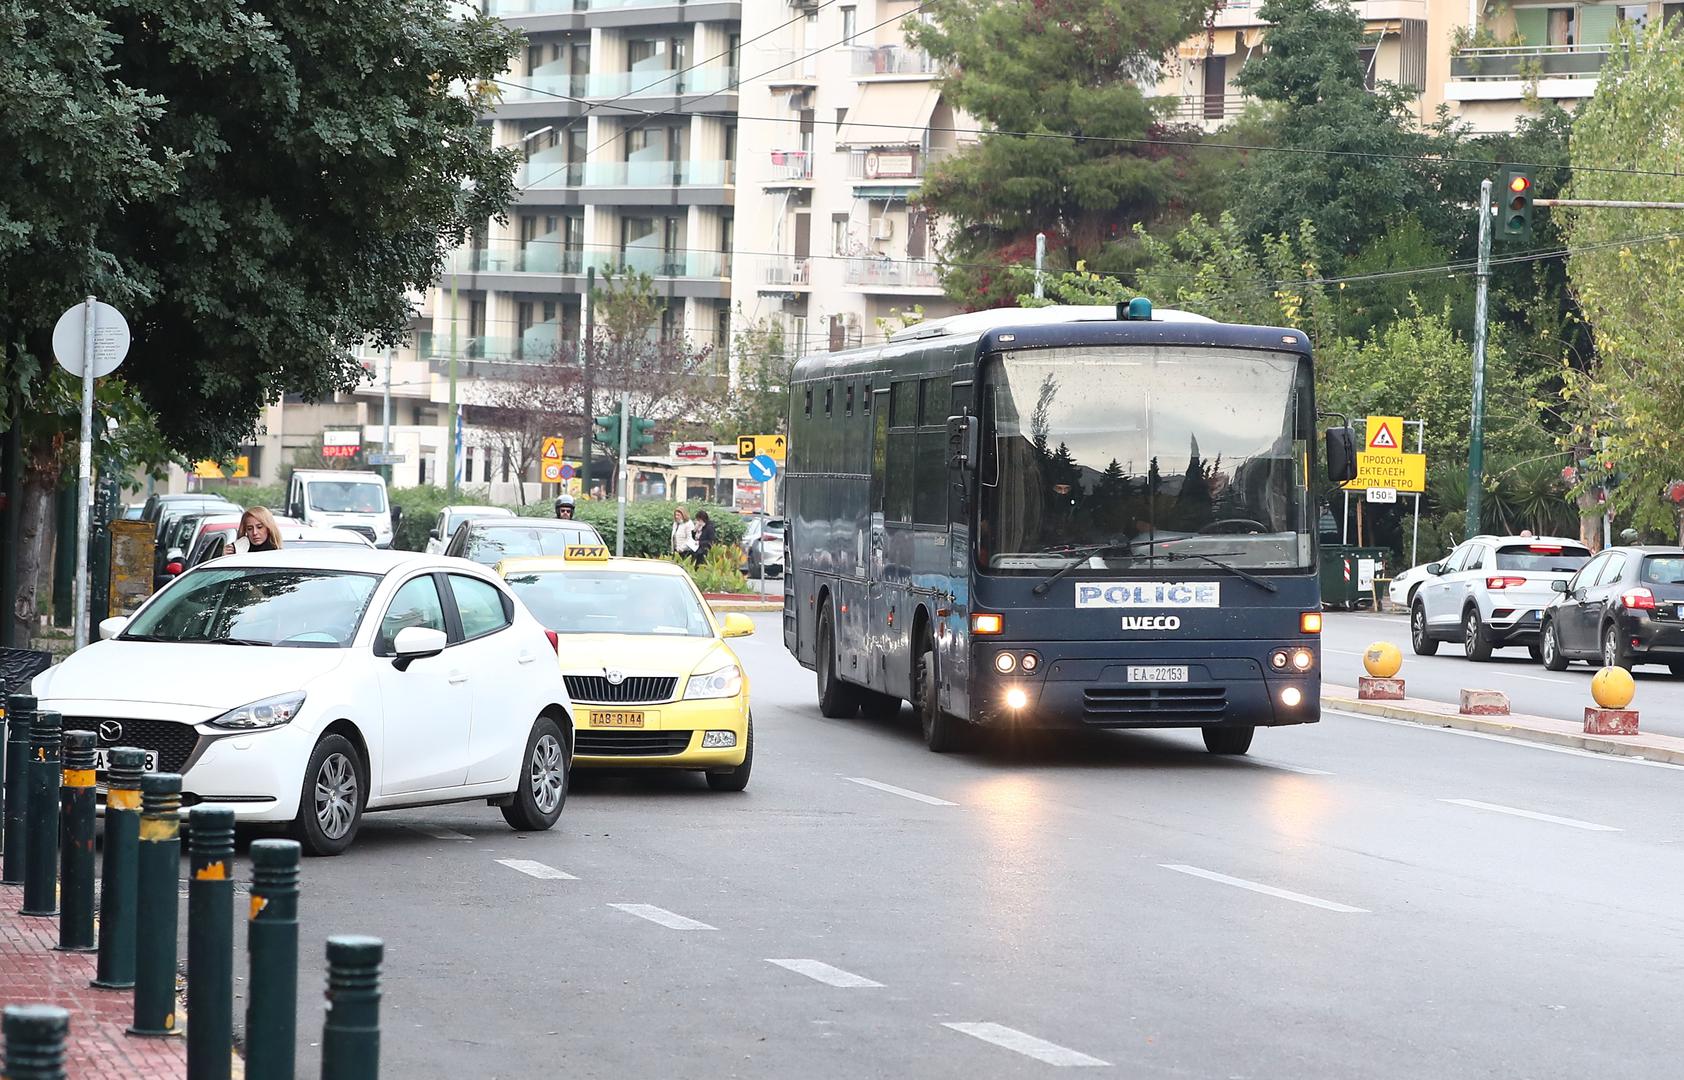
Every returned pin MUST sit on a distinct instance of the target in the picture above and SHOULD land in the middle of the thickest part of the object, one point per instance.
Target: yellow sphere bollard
(1613, 687)
(1382, 659)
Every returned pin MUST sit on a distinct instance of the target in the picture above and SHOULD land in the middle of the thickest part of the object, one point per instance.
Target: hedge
(648, 524)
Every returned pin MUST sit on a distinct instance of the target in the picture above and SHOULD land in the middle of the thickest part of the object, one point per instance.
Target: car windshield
(612, 602)
(317, 609)
(1542, 558)
(347, 496)
(489, 546)
(1664, 570)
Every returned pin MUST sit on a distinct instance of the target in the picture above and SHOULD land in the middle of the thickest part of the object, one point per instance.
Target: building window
(839, 234)
(850, 24)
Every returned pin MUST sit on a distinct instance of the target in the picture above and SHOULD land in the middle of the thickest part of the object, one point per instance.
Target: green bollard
(20, 717)
(40, 834)
(35, 1037)
(210, 944)
(351, 1033)
(272, 941)
(158, 876)
(76, 847)
(117, 880)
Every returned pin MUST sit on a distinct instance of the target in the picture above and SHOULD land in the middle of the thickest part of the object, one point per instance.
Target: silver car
(1490, 593)
(763, 546)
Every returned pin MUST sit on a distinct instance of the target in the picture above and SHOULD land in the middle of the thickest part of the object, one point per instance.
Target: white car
(1401, 592)
(367, 680)
(444, 527)
(1491, 592)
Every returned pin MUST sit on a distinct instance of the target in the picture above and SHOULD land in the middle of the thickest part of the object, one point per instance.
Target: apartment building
(841, 121)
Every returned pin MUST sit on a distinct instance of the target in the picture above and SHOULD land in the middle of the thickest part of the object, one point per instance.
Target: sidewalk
(1539, 729)
(32, 973)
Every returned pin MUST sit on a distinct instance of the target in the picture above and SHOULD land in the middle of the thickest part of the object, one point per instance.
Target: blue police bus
(1060, 517)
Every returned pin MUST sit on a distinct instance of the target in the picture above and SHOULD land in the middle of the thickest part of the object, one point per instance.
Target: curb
(1666, 749)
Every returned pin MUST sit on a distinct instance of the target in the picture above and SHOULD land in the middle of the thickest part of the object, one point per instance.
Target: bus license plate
(617, 718)
(102, 759)
(1157, 674)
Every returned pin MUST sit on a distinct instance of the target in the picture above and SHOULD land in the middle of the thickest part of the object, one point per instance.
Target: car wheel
(736, 779)
(1549, 648)
(1614, 651)
(330, 807)
(543, 779)
(837, 699)
(1475, 646)
(1228, 740)
(1419, 640)
(943, 732)
(1535, 649)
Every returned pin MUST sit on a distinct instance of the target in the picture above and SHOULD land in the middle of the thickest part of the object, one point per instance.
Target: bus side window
(988, 471)
(930, 461)
(879, 451)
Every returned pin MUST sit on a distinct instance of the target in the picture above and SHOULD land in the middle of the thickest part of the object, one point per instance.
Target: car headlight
(267, 713)
(726, 682)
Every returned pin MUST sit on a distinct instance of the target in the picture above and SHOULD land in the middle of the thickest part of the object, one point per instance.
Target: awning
(889, 114)
(884, 194)
(1383, 27)
(1210, 43)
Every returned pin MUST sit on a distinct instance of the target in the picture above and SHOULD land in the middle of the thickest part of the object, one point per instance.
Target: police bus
(1060, 517)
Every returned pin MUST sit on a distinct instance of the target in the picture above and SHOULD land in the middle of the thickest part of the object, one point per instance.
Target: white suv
(1490, 593)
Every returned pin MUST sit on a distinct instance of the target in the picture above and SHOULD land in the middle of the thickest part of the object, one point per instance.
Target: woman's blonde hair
(678, 512)
(263, 517)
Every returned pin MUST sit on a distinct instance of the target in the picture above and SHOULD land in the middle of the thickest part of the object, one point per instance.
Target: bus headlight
(1005, 663)
(1016, 698)
(1302, 659)
(1030, 662)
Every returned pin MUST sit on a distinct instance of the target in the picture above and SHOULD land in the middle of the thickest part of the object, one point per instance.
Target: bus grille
(630, 743)
(1124, 704)
(634, 689)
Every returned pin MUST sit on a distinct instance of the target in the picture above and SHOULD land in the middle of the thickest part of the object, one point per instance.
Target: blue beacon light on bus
(1137, 310)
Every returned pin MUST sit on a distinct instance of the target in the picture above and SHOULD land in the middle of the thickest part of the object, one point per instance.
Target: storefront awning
(889, 114)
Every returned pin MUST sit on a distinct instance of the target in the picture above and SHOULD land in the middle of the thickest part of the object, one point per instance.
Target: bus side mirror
(1341, 455)
(962, 441)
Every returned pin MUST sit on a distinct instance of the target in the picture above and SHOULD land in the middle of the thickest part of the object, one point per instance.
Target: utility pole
(620, 486)
(85, 471)
(590, 411)
(1476, 442)
(1040, 259)
(450, 432)
(386, 415)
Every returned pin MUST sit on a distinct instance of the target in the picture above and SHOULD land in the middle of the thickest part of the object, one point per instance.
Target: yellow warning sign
(1401, 472)
(1385, 434)
(552, 448)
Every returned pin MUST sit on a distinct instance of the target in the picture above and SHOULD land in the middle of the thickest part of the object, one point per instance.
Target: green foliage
(421, 506)
(648, 524)
(721, 573)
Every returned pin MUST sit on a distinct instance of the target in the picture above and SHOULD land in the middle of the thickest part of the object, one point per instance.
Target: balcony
(892, 275)
(659, 83)
(539, 344)
(542, 86)
(507, 8)
(893, 166)
(892, 60)
(787, 273)
(659, 173)
(790, 168)
(540, 256)
(1509, 74)
(1205, 109)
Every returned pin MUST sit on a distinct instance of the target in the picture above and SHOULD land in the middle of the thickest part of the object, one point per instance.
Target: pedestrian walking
(705, 536)
(683, 534)
(257, 532)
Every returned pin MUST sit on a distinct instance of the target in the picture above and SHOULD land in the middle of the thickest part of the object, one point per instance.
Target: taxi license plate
(102, 759)
(617, 718)
(1158, 674)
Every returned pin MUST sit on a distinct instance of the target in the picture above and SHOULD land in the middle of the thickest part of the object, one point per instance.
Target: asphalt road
(1357, 899)
(1559, 694)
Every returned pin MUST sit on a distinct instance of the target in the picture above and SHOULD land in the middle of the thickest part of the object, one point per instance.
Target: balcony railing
(537, 257)
(559, 7)
(659, 173)
(658, 263)
(791, 165)
(894, 165)
(1529, 62)
(892, 60)
(790, 272)
(706, 80)
(550, 174)
(893, 273)
(543, 86)
(1196, 108)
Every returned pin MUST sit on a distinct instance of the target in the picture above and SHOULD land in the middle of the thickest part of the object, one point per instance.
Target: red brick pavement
(32, 973)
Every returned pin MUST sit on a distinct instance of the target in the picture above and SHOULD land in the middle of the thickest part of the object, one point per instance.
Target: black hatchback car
(1624, 607)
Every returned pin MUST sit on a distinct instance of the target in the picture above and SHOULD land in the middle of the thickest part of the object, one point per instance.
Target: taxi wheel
(837, 699)
(542, 792)
(736, 779)
(330, 808)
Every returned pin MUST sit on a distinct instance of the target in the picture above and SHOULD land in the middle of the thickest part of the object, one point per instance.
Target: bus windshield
(1124, 457)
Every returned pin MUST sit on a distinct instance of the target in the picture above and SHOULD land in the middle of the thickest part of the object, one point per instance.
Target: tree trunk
(1590, 521)
(36, 519)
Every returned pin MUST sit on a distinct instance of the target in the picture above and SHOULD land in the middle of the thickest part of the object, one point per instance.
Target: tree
(539, 400)
(757, 403)
(1038, 71)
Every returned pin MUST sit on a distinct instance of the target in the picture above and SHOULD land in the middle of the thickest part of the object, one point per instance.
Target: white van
(335, 499)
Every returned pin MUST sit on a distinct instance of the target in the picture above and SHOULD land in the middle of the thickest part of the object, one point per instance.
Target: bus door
(877, 605)
(954, 609)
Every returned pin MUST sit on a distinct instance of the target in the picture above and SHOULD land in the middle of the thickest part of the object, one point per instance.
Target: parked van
(335, 499)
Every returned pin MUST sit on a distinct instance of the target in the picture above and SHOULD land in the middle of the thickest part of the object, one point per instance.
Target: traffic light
(1517, 196)
(639, 436)
(608, 431)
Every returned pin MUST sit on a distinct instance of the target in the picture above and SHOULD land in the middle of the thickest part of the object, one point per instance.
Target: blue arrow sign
(762, 468)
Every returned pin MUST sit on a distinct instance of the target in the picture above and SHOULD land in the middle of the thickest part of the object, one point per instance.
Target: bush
(721, 573)
(421, 506)
(648, 524)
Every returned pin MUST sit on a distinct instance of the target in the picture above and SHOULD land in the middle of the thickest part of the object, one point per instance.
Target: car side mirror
(110, 628)
(736, 624)
(1435, 568)
(433, 534)
(397, 515)
(1558, 586)
(963, 434)
(414, 643)
(1341, 455)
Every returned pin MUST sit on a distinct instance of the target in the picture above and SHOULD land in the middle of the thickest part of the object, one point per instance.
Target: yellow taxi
(652, 681)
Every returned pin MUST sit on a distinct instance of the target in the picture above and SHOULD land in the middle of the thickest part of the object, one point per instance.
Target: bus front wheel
(943, 732)
(1228, 740)
(837, 699)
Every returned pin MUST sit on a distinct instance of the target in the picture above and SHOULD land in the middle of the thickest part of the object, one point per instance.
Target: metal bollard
(272, 941)
(210, 944)
(158, 876)
(20, 717)
(76, 847)
(351, 1033)
(117, 872)
(35, 1038)
(40, 833)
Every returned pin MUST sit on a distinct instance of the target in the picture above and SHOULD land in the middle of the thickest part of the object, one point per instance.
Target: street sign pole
(85, 469)
(1476, 442)
(625, 426)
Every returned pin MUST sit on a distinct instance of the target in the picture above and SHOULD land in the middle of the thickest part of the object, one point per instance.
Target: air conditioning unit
(882, 228)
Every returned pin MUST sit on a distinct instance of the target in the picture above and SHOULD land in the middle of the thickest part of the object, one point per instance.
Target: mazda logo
(615, 678)
(110, 731)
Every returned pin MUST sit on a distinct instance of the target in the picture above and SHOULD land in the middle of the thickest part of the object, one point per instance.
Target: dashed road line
(1267, 764)
(661, 915)
(1534, 815)
(438, 832)
(904, 793)
(1028, 1045)
(1266, 890)
(537, 870)
(819, 971)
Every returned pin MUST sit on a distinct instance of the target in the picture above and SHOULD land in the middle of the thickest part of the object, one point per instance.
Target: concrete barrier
(1370, 688)
(1610, 721)
(1484, 703)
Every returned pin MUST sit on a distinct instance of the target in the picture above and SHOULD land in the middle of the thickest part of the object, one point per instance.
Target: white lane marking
(1511, 740)
(1267, 764)
(820, 971)
(661, 915)
(1266, 890)
(902, 792)
(1539, 678)
(1533, 814)
(1028, 1045)
(439, 832)
(537, 870)
(1342, 652)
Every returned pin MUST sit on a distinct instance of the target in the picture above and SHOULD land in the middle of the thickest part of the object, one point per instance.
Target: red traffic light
(1519, 184)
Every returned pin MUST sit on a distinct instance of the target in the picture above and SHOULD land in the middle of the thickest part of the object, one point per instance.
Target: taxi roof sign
(585, 553)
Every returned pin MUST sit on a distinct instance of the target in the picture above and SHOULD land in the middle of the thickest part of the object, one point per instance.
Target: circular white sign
(111, 339)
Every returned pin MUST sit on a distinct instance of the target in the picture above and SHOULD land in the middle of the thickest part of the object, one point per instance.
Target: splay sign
(1385, 434)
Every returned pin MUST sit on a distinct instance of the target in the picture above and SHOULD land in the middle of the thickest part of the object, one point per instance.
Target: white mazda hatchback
(307, 687)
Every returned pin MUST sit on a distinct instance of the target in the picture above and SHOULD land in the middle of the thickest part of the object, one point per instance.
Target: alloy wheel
(548, 773)
(336, 796)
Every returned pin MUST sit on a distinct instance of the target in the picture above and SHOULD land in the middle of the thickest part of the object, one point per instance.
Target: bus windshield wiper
(1079, 556)
(1261, 582)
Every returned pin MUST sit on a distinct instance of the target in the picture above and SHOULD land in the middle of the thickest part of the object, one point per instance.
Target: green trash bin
(1348, 574)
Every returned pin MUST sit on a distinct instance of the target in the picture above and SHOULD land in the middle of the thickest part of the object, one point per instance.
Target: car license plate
(617, 718)
(102, 759)
(1681, 611)
(1157, 674)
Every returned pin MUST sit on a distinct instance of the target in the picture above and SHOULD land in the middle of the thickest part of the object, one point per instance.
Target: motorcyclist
(564, 507)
